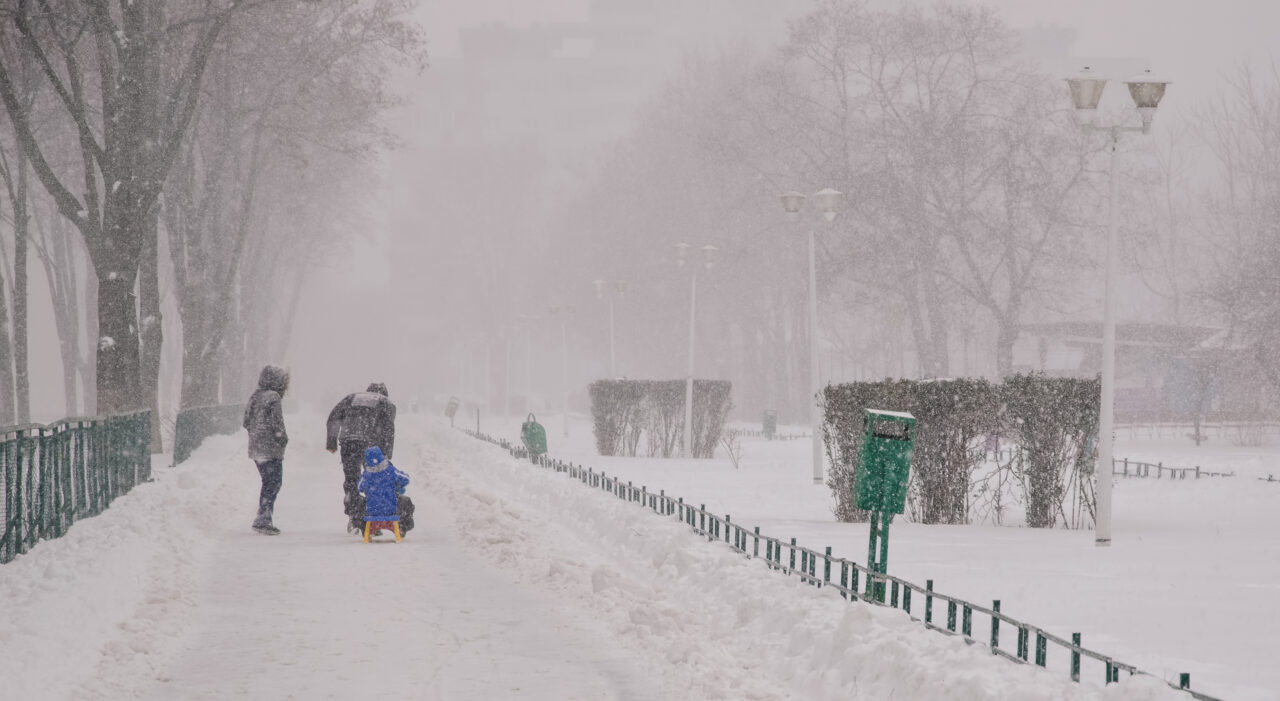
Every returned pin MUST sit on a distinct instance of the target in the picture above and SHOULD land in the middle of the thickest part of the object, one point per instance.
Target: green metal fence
(198, 423)
(856, 583)
(57, 474)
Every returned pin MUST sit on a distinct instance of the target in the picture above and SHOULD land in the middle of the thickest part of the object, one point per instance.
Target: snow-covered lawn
(522, 583)
(1190, 584)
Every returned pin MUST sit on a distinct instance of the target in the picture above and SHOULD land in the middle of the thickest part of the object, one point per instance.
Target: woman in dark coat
(264, 420)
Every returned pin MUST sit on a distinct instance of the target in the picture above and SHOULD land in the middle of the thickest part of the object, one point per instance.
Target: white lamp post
(1086, 90)
(620, 289)
(507, 332)
(828, 200)
(564, 313)
(708, 258)
(528, 321)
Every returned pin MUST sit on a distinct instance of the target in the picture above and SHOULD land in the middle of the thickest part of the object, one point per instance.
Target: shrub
(623, 410)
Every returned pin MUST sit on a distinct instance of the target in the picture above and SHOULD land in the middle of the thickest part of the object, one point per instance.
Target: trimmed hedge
(623, 410)
(1051, 420)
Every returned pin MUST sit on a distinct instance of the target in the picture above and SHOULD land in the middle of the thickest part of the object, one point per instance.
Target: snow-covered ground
(521, 583)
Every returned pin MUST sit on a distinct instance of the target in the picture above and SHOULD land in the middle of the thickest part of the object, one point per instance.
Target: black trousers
(272, 473)
(352, 466)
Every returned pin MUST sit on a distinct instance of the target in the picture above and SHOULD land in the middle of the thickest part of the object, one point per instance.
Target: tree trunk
(87, 363)
(7, 412)
(60, 265)
(1006, 334)
(118, 368)
(200, 373)
(21, 225)
(69, 327)
(201, 353)
(151, 333)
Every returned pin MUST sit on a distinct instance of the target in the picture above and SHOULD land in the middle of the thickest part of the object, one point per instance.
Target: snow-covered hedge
(623, 410)
(1051, 420)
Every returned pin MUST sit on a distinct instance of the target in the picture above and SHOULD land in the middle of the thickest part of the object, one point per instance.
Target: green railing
(57, 474)
(857, 583)
(198, 423)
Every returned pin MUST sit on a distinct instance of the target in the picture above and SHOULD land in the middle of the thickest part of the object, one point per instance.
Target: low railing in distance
(856, 582)
(195, 424)
(1125, 467)
(71, 469)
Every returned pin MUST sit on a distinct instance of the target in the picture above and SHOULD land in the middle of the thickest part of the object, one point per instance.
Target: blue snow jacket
(381, 482)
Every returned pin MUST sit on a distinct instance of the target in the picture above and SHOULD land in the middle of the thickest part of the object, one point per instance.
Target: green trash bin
(534, 437)
(884, 464)
(770, 427)
(880, 486)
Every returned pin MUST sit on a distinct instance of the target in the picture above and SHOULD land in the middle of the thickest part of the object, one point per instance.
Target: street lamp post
(1086, 91)
(564, 313)
(620, 289)
(507, 332)
(828, 200)
(708, 255)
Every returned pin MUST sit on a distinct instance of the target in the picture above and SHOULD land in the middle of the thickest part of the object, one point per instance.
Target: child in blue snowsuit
(383, 488)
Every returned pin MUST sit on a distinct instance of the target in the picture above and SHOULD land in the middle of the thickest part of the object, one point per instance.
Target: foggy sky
(1192, 42)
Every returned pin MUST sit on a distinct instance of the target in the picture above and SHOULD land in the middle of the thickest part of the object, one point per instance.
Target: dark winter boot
(404, 507)
(262, 523)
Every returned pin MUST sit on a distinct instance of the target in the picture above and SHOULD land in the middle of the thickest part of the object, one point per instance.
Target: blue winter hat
(372, 456)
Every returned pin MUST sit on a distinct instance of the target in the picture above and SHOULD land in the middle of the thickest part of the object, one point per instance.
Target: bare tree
(287, 93)
(129, 123)
(1242, 131)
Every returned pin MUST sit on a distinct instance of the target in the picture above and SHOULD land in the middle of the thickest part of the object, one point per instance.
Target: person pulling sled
(357, 422)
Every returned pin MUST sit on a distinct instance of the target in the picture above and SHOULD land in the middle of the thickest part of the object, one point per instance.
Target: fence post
(995, 626)
(928, 601)
(793, 554)
(1184, 680)
(1075, 657)
(844, 579)
(755, 548)
(826, 567)
(1042, 645)
(951, 616)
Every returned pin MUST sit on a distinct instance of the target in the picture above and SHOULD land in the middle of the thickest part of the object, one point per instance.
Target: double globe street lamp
(828, 201)
(1086, 91)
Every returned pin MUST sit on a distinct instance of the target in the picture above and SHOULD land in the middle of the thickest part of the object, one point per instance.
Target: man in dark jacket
(264, 420)
(360, 420)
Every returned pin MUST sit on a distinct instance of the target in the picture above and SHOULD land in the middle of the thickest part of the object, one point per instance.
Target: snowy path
(517, 583)
(316, 614)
